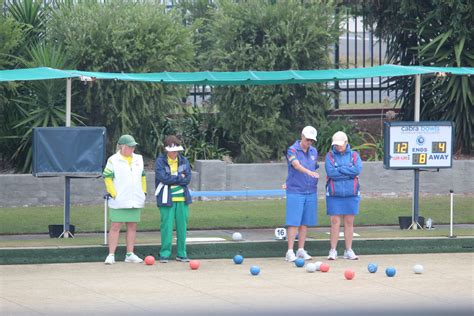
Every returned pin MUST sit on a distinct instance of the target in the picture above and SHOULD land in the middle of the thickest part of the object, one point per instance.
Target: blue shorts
(301, 209)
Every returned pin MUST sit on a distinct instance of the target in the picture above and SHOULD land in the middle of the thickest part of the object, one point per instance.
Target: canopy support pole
(416, 184)
(67, 180)
(68, 102)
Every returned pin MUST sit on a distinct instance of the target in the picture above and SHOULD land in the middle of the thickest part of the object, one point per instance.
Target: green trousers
(179, 212)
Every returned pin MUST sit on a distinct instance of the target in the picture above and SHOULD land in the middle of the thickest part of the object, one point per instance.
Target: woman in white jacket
(125, 182)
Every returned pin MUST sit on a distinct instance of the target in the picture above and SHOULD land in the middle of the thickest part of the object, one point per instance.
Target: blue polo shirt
(298, 182)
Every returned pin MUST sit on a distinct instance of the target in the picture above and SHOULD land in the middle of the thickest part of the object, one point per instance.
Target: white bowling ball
(236, 236)
(318, 265)
(311, 267)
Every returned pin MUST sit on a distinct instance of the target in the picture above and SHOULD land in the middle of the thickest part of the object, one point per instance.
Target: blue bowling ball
(372, 267)
(238, 259)
(254, 270)
(299, 262)
(390, 272)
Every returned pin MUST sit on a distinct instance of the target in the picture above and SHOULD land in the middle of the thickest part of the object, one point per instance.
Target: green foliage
(329, 128)
(261, 121)
(123, 36)
(33, 18)
(34, 103)
(197, 15)
(199, 133)
(432, 33)
(371, 147)
(11, 37)
(40, 103)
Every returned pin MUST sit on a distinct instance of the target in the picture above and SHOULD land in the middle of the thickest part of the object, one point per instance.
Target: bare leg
(131, 235)
(348, 230)
(303, 230)
(335, 224)
(291, 232)
(114, 233)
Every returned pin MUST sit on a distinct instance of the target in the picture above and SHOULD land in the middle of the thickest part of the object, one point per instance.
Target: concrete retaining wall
(26, 190)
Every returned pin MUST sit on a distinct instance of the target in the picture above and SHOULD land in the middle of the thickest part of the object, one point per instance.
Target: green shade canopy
(27, 74)
(215, 78)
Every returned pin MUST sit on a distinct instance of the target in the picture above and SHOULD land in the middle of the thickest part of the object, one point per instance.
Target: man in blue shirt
(301, 188)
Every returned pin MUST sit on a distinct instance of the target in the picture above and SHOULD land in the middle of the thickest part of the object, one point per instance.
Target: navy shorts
(301, 209)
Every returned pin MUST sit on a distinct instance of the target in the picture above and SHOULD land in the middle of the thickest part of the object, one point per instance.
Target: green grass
(234, 214)
(154, 238)
(396, 232)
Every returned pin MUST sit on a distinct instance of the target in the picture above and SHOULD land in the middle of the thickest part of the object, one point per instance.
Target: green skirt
(125, 215)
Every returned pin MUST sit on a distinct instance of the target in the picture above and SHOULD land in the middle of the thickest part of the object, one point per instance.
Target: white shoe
(133, 258)
(350, 254)
(301, 253)
(290, 256)
(332, 254)
(110, 259)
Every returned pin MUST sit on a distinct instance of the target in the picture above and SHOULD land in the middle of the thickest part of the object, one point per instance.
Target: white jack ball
(236, 236)
(418, 269)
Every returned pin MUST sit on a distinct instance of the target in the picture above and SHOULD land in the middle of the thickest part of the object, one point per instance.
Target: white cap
(173, 147)
(309, 132)
(339, 138)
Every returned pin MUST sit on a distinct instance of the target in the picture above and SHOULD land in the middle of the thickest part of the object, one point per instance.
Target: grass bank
(234, 214)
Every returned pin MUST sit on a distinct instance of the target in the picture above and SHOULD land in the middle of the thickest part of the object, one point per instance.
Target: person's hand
(313, 174)
(283, 186)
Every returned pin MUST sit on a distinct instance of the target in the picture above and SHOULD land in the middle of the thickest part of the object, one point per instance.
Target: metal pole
(106, 200)
(355, 57)
(451, 217)
(67, 180)
(347, 58)
(67, 208)
(416, 195)
(68, 102)
(417, 97)
(336, 61)
(416, 184)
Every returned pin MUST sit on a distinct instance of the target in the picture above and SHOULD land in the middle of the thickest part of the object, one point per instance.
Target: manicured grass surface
(153, 238)
(235, 214)
(394, 233)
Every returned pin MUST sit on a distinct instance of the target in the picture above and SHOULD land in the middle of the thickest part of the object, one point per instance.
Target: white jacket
(127, 181)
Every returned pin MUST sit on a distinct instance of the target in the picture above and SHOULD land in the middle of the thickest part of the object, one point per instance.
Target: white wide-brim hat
(173, 147)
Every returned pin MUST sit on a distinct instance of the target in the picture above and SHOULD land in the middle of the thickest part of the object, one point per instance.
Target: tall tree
(125, 36)
(432, 33)
(269, 35)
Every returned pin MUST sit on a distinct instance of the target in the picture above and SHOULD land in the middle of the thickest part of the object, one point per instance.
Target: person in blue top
(301, 187)
(172, 177)
(343, 167)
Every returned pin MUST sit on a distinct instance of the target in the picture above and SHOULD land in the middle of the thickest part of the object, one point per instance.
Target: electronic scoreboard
(415, 145)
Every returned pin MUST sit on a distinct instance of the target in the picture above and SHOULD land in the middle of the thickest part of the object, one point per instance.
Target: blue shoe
(164, 259)
(182, 259)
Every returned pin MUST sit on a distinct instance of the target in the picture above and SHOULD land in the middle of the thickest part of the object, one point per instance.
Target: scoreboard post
(417, 146)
